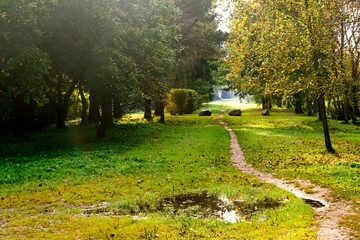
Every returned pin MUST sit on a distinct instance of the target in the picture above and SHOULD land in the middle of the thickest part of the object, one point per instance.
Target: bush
(182, 101)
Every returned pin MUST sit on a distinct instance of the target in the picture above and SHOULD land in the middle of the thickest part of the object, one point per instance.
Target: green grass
(293, 146)
(50, 177)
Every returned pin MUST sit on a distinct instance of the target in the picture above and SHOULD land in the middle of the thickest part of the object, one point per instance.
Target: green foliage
(192, 102)
(150, 42)
(182, 101)
(24, 75)
(115, 51)
(199, 42)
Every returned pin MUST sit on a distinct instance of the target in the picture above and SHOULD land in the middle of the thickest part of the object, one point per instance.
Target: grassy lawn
(293, 146)
(143, 181)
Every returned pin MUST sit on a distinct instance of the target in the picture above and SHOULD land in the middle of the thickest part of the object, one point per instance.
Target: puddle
(202, 205)
(207, 205)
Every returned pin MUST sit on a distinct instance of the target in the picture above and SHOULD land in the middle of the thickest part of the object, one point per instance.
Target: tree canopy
(290, 47)
(113, 54)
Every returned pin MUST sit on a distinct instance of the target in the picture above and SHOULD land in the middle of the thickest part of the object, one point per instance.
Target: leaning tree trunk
(322, 113)
(147, 113)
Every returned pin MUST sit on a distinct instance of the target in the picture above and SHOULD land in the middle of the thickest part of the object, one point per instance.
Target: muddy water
(207, 205)
(202, 205)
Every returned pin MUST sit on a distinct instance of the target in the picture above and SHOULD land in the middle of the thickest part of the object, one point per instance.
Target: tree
(349, 57)
(292, 44)
(22, 66)
(199, 43)
(149, 40)
(73, 33)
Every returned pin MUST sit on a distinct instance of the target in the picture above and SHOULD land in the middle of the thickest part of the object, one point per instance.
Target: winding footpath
(329, 212)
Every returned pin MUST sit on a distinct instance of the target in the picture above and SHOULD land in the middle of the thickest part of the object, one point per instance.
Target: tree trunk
(322, 113)
(106, 116)
(321, 98)
(356, 102)
(263, 102)
(346, 112)
(266, 102)
(353, 105)
(309, 107)
(298, 103)
(100, 130)
(94, 111)
(269, 102)
(118, 109)
(106, 112)
(23, 115)
(147, 113)
(158, 108)
(84, 107)
(315, 102)
(343, 77)
(160, 111)
(62, 103)
(60, 117)
(353, 115)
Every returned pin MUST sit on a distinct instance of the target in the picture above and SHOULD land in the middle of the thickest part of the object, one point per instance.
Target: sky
(223, 10)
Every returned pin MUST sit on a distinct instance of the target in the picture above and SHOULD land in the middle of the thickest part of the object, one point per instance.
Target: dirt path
(330, 213)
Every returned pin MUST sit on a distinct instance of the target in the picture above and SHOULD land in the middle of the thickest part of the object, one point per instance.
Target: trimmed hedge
(182, 101)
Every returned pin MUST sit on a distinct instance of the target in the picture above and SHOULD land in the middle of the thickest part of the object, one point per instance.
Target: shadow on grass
(72, 140)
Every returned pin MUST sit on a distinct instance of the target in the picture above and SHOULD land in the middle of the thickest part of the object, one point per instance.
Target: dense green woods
(113, 55)
(305, 50)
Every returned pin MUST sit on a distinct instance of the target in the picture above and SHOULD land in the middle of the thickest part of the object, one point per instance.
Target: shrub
(192, 101)
(182, 101)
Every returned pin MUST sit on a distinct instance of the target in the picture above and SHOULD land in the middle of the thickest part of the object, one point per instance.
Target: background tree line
(305, 50)
(107, 55)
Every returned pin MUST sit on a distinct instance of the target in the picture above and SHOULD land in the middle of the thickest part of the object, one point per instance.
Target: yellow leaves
(255, 5)
(3, 15)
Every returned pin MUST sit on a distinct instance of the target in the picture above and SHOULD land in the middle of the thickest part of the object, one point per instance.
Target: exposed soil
(330, 212)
